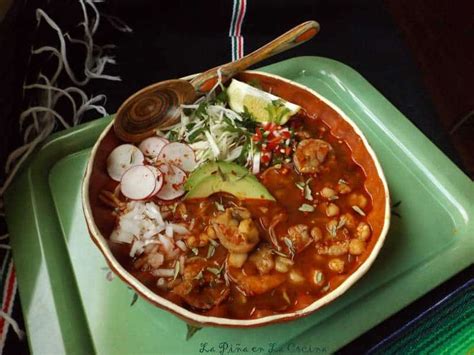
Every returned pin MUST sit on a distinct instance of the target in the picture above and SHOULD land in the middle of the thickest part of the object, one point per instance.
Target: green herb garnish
(358, 210)
(289, 244)
(222, 97)
(201, 111)
(332, 229)
(173, 136)
(307, 190)
(219, 206)
(199, 276)
(306, 208)
(214, 270)
(193, 136)
(319, 277)
(279, 253)
(221, 173)
(213, 242)
(300, 185)
(177, 267)
(210, 251)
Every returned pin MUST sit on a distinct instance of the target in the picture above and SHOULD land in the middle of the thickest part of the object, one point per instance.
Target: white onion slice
(121, 236)
(178, 228)
(138, 182)
(256, 163)
(181, 245)
(180, 155)
(152, 146)
(173, 186)
(159, 179)
(123, 158)
(163, 272)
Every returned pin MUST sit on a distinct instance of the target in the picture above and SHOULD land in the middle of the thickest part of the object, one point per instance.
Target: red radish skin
(173, 186)
(123, 158)
(180, 155)
(152, 146)
(159, 180)
(138, 182)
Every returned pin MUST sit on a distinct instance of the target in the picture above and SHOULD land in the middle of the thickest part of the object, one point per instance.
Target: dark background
(418, 54)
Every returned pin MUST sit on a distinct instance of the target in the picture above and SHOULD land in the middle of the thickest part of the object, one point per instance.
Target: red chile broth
(281, 181)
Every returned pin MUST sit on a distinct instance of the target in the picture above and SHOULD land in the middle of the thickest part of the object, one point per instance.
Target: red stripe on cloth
(241, 46)
(240, 17)
(8, 299)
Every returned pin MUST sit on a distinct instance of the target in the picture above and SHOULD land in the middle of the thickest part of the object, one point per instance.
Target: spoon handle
(204, 82)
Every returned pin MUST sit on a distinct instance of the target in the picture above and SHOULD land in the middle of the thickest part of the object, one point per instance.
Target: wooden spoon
(158, 105)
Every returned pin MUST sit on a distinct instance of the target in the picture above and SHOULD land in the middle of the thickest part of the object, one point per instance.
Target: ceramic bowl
(100, 222)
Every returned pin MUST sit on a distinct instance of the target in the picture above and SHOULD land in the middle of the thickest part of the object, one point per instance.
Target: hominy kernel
(336, 265)
(338, 249)
(332, 210)
(363, 231)
(349, 219)
(356, 246)
(283, 264)
(327, 192)
(343, 189)
(296, 277)
(358, 200)
(331, 227)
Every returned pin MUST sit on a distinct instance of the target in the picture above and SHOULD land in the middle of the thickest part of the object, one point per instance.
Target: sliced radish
(123, 158)
(138, 182)
(178, 154)
(152, 146)
(173, 186)
(159, 179)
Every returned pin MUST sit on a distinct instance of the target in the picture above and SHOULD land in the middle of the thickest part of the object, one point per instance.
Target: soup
(226, 236)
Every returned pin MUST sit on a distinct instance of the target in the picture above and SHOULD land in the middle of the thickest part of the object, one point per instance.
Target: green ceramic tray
(69, 305)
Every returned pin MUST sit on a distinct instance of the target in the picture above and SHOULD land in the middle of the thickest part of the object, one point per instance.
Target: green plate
(70, 306)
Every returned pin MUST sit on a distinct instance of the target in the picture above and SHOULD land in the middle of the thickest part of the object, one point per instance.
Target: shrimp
(310, 154)
(199, 287)
(263, 259)
(299, 236)
(236, 230)
(252, 285)
(281, 217)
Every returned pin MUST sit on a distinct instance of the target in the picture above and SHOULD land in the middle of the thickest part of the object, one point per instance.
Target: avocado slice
(225, 177)
(214, 168)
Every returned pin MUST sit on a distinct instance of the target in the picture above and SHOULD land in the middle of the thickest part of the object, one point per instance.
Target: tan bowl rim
(102, 243)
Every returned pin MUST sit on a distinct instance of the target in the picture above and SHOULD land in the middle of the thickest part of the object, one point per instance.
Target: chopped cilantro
(201, 111)
(173, 136)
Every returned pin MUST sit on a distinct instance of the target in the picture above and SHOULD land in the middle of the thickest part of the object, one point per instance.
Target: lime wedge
(263, 106)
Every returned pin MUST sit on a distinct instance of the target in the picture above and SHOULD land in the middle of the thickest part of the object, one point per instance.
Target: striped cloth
(9, 286)
(235, 32)
(445, 328)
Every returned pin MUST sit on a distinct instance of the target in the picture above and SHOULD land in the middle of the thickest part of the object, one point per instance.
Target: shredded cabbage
(214, 132)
